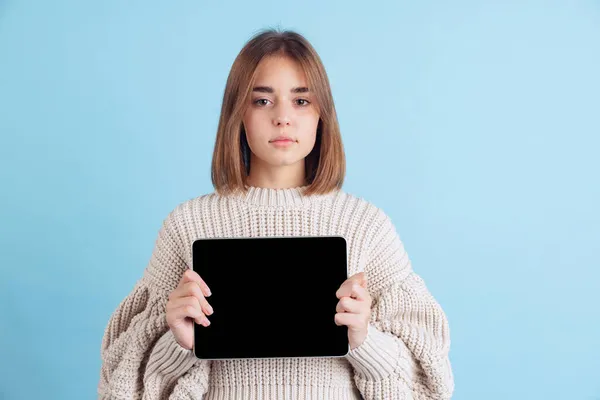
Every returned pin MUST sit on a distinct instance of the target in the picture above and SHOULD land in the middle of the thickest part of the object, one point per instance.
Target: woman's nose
(281, 121)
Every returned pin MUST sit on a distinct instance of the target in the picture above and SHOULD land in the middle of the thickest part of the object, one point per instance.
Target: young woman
(278, 168)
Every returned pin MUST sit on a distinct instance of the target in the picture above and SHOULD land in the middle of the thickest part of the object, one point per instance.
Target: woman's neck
(285, 177)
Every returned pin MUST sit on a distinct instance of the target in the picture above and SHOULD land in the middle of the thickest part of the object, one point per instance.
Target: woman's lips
(282, 142)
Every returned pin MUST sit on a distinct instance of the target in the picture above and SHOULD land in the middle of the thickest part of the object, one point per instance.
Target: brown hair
(325, 166)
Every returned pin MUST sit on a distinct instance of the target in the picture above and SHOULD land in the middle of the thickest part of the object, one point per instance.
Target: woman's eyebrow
(269, 89)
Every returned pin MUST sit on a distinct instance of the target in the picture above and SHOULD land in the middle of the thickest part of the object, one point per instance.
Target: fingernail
(210, 309)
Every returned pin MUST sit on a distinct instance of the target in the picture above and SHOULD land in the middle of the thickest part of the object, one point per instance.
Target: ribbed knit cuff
(169, 360)
(377, 357)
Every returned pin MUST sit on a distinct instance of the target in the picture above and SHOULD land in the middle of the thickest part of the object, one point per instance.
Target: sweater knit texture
(404, 356)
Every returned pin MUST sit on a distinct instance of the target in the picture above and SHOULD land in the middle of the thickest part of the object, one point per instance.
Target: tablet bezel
(267, 237)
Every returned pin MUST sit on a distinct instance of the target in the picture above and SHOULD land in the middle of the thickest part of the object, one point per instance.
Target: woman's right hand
(187, 304)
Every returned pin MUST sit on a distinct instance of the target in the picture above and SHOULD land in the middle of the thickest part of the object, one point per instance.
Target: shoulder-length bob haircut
(325, 166)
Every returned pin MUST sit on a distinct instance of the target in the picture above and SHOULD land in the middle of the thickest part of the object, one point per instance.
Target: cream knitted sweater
(405, 354)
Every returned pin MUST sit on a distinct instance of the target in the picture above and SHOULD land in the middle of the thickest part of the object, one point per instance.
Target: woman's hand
(186, 304)
(354, 308)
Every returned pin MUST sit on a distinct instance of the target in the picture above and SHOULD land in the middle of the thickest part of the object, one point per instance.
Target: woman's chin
(284, 161)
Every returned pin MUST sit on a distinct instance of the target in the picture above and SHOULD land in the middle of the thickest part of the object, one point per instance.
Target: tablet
(273, 297)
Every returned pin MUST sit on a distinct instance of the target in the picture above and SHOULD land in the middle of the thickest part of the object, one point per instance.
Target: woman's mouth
(282, 142)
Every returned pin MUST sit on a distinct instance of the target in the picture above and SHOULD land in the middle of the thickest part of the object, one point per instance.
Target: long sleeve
(406, 352)
(140, 357)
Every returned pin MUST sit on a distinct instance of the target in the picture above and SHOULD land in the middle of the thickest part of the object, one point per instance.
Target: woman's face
(281, 119)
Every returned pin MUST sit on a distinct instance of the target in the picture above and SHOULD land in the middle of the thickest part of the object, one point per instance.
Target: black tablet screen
(272, 297)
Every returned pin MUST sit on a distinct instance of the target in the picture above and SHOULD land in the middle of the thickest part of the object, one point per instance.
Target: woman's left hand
(354, 308)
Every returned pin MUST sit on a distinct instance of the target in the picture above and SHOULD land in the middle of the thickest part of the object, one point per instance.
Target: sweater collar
(288, 197)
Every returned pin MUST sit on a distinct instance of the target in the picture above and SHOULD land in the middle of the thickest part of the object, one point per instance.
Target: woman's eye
(261, 102)
(305, 102)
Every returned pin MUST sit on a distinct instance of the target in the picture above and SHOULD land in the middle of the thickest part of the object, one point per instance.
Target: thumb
(360, 278)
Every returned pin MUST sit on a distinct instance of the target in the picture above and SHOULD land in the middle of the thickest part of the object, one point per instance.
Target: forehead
(279, 71)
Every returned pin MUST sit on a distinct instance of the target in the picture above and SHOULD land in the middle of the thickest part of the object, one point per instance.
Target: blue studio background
(474, 124)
